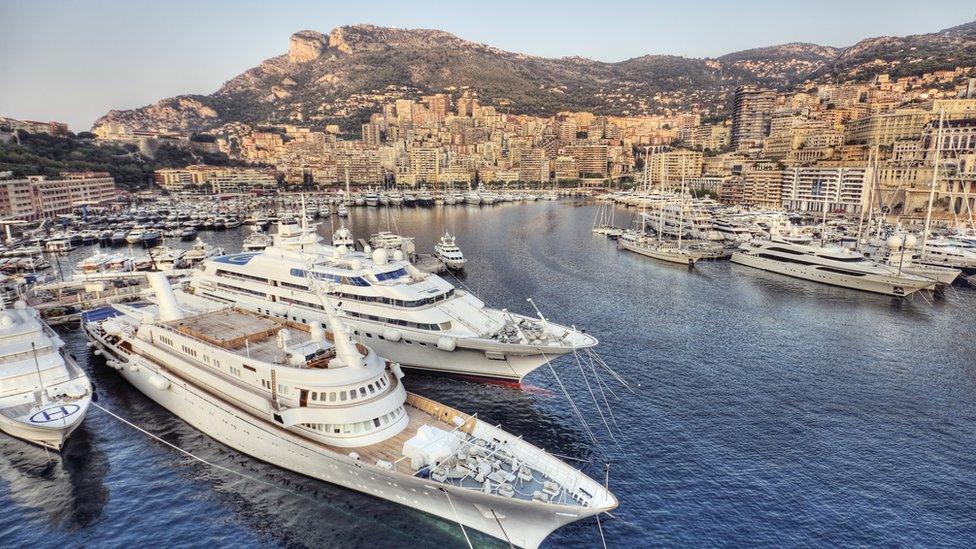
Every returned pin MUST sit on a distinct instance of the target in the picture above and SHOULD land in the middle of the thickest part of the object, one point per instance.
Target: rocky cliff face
(306, 46)
(343, 76)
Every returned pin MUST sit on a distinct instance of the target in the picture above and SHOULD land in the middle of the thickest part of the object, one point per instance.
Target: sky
(73, 61)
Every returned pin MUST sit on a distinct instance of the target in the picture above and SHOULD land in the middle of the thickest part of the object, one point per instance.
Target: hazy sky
(73, 61)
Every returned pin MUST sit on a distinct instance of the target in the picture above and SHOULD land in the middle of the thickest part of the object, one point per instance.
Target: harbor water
(765, 411)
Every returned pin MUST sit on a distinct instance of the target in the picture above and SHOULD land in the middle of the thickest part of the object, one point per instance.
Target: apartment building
(37, 197)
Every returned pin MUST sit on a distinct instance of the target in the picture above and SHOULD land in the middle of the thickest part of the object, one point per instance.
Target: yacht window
(376, 422)
(315, 395)
(358, 428)
(342, 396)
(352, 394)
(372, 390)
(332, 397)
(391, 274)
(362, 391)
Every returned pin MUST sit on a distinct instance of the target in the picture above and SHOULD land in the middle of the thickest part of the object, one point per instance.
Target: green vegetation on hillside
(42, 154)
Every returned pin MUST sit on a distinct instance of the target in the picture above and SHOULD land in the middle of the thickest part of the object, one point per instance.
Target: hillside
(42, 154)
(342, 76)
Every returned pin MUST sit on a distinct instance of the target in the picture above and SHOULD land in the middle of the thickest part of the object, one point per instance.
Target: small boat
(342, 210)
(59, 246)
(187, 234)
(135, 235)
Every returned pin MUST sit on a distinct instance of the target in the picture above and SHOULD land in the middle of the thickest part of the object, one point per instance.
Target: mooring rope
(226, 469)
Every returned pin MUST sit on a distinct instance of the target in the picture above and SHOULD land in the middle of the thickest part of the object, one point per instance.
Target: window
(332, 397)
(342, 396)
(362, 391)
(315, 395)
(372, 390)
(250, 368)
(352, 394)
(390, 275)
(376, 422)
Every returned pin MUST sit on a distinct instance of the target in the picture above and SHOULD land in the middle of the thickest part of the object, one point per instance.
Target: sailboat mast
(935, 179)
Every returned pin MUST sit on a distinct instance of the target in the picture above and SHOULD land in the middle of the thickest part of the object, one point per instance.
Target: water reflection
(64, 491)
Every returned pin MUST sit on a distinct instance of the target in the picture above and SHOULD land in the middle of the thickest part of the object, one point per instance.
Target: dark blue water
(767, 412)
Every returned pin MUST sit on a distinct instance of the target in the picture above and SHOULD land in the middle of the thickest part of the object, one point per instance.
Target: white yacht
(449, 252)
(832, 265)
(342, 210)
(167, 258)
(44, 394)
(343, 237)
(372, 198)
(899, 251)
(472, 198)
(391, 242)
(257, 240)
(201, 251)
(944, 252)
(413, 317)
(322, 406)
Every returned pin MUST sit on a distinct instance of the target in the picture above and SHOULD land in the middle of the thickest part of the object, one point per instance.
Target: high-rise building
(371, 135)
(751, 115)
(425, 165)
(438, 104)
(534, 166)
(591, 160)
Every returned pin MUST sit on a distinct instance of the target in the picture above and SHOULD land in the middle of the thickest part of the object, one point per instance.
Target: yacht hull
(525, 523)
(870, 283)
(51, 434)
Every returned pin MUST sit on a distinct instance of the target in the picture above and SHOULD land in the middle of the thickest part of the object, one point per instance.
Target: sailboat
(603, 224)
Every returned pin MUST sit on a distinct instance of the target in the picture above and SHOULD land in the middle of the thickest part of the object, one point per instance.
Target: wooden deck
(391, 449)
(228, 328)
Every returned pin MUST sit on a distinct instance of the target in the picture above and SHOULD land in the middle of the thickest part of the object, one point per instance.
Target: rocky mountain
(343, 76)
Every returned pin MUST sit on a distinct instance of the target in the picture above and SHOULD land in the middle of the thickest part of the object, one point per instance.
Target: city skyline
(49, 52)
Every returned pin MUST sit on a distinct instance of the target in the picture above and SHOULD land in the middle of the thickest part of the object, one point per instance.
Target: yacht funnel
(165, 298)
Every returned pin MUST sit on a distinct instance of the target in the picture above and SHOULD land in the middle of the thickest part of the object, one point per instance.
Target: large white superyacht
(44, 394)
(834, 265)
(416, 318)
(317, 403)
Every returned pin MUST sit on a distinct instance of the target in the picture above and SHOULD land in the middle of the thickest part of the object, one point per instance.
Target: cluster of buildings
(10, 126)
(818, 146)
(216, 179)
(37, 197)
(844, 146)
